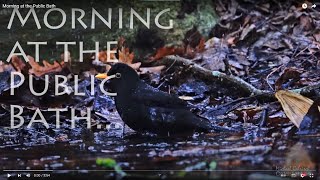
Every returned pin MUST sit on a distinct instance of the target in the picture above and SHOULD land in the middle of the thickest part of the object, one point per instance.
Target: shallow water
(148, 155)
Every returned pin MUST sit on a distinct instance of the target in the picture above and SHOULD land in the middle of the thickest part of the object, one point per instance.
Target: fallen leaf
(102, 56)
(125, 56)
(288, 75)
(213, 58)
(294, 105)
(39, 70)
(201, 46)
(165, 51)
(193, 43)
(18, 64)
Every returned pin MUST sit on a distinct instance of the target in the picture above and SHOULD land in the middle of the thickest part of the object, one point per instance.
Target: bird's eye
(118, 75)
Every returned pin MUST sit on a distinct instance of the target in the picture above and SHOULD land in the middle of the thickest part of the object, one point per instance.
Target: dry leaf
(102, 56)
(215, 54)
(39, 70)
(294, 105)
(165, 51)
(193, 43)
(125, 56)
(289, 74)
(18, 64)
(201, 46)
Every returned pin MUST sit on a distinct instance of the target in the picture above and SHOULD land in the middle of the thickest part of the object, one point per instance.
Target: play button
(8, 175)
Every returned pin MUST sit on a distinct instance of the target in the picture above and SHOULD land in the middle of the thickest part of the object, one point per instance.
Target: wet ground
(265, 150)
(233, 156)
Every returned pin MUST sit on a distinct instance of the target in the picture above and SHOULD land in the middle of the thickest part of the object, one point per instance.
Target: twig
(216, 75)
(307, 89)
(207, 74)
(273, 71)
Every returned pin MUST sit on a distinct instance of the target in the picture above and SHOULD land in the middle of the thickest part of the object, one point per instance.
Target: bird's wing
(151, 96)
(176, 120)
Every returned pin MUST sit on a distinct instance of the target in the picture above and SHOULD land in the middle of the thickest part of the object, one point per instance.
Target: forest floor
(236, 78)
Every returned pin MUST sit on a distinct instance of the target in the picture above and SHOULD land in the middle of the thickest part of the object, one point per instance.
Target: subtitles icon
(304, 6)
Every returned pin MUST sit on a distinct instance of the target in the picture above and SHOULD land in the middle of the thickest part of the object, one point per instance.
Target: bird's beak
(101, 76)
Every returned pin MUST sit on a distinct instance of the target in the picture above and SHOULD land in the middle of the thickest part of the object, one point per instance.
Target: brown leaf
(201, 46)
(294, 105)
(18, 64)
(287, 74)
(125, 56)
(193, 43)
(165, 51)
(39, 70)
(103, 56)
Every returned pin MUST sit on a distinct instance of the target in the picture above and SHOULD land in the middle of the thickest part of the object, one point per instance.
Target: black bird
(146, 109)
